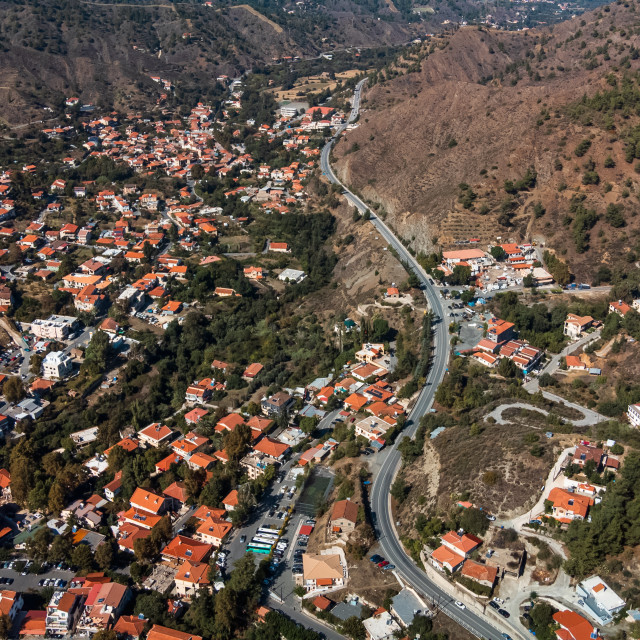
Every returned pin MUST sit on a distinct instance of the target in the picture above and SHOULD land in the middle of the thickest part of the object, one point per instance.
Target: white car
(459, 604)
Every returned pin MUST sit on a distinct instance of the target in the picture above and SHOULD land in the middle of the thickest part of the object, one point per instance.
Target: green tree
(507, 368)
(498, 253)
(400, 489)
(104, 556)
(13, 390)
(82, 557)
(38, 544)
(354, 628)
(95, 359)
(474, 521)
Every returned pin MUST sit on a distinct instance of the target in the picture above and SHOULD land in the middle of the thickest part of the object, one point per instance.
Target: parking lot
(270, 511)
(32, 580)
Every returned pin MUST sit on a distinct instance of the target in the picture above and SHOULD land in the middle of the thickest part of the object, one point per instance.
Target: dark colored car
(503, 613)
(376, 558)
(495, 605)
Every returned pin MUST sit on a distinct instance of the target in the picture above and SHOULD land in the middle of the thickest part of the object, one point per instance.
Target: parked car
(384, 563)
(495, 605)
(389, 567)
(503, 613)
(376, 558)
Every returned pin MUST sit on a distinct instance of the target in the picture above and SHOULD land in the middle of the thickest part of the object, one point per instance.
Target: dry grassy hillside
(487, 106)
(104, 52)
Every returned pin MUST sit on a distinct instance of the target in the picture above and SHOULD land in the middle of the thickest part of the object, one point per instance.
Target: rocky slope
(487, 106)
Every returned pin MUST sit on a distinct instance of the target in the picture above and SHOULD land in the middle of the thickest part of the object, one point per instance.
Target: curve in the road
(380, 495)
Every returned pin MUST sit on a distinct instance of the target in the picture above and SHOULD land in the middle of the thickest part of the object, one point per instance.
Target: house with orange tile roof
(568, 506)
(195, 415)
(344, 516)
(176, 495)
(461, 544)
(483, 574)
(574, 627)
(130, 627)
(619, 307)
(113, 488)
(148, 501)
(155, 434)
(190, 578)
(158, 632)
(128, 444)
(203, 512)
(103, 606)
(225, 292)
(34, 623)
(273, 449)
(279, 247)
(575, 326)
(10, 603)
(355, 402)
(231, 500)
(574, 363)
(200, 461)
(368, 370)
(324, 394)
(259, 423)
(171, 308)
(321, 571)
(165, 464)
(213, 530)
(188, 444)
(198, 393)
(252, 371)
(140, 518)
(182, 548)
(254, 273)
(63, 612)
(500, 331)
(128, 533)
(5, 484)
(229, 422)
(444, 559)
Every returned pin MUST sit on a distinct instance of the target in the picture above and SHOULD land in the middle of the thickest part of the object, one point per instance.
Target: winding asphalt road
(380, 497)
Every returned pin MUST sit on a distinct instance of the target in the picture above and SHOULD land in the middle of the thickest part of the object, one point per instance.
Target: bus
(263, 540)
(270, 533)
(259, 550)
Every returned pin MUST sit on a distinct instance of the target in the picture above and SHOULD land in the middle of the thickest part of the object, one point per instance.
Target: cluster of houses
(454, 554)
(519, 261)
(174, 147)
(572, 502)
(501, 342)
(90, 604)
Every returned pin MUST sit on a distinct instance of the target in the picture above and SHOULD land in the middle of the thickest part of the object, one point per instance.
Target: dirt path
(590, 417)
(276, 27)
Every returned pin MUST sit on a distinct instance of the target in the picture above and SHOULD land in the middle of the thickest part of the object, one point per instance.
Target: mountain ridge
(484, 108)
